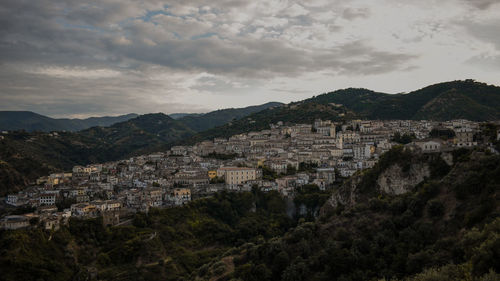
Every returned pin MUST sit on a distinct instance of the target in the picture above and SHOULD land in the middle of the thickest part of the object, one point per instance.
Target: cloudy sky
(79, 58)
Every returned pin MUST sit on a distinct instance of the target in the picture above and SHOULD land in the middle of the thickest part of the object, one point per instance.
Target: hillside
(298, 112)
(178, 116)
(216, 118)
(155, 132)
(165, 244)
(143, 134)
(30, 121)
(445, 226)
(26, 156)
(444, 101)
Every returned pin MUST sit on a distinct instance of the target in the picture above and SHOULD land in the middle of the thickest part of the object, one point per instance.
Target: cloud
(117, 56)
(481, 4)
(74, 72)
(351, 14)
(486, 31)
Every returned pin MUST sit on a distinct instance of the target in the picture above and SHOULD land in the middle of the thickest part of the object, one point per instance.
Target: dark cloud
(485, 31)
(47, 32)
(351, 14)
(481, 4)
(77, 56)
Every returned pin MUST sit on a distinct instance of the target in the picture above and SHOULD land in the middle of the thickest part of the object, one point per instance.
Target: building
(464, 137)
(83, 209)
(237, 175)
(47, 199)
(326, 174)
(361, 151)
(14, 222)
(14, 200)
(179, 196)
(324, 128)
(430, 145)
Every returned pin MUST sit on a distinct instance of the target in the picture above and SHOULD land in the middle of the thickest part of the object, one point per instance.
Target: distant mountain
(177, 116)
(25, 155)
(142, 134)
(202, 122)
(30, 121)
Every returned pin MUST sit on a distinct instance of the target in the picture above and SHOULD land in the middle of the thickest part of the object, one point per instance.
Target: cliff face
(392, 177)
(395, 181)
(346, 195)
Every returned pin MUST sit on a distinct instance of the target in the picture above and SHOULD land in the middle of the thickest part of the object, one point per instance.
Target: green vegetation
(444, 101)
(431, 234)
(308, 201)
(299, 112)
(221, 156)
(444, 134)
(268, 174)
(165, 244)
(403, 139)
(447, 228)
(220, 117)
(27, 156)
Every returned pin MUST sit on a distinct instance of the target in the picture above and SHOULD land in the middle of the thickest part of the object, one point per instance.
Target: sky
(81, 58)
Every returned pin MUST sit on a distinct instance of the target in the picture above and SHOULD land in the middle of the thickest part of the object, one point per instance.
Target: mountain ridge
(376, 105)
(36, 153)
(31, 121)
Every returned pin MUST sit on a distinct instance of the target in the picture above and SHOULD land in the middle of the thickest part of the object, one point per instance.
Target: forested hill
(30, 121)
(444, 101)
(445, 226)
(298, 112)
(202, 122)
(26, 156)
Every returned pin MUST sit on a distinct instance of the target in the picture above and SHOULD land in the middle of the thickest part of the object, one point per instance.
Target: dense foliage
(403, 138)
(444, 101)
(448, 229)
(165, 244)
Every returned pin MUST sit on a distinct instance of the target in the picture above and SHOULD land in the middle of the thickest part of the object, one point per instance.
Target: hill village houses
(281, 158)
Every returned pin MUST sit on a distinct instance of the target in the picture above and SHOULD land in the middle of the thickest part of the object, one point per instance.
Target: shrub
(435, 208)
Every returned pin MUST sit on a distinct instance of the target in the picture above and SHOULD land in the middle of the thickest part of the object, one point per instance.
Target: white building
(47, 199)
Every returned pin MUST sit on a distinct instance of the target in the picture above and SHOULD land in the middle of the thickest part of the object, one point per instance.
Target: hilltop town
(282, 158)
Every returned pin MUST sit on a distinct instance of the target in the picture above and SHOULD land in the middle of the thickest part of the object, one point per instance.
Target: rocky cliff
(395, 181)
(398, 172)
